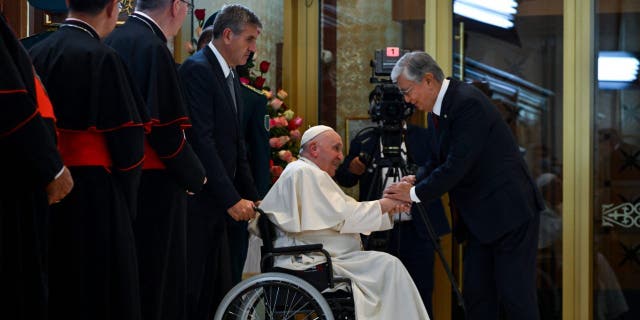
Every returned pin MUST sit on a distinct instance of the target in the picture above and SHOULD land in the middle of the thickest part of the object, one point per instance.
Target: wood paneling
(403, 10)
(16, 14)
(555, 7)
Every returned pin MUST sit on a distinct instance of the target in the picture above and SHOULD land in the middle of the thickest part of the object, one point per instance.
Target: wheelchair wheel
(273, 296)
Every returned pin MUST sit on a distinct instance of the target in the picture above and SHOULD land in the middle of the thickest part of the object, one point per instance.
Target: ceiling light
(499, 13)
(617, 66)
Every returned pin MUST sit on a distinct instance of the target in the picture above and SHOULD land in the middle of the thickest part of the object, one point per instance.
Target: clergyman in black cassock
(217, 138)
(160, 226)
(31, 167)
(93, 270)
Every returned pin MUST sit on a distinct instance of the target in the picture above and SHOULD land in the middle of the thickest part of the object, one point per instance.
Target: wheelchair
(281, 294)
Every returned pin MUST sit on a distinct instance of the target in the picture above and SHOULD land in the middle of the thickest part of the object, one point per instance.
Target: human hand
(60, 187)
(392, 206)
(399, 191)
(356, 166)
(409, 179)
(242, 210)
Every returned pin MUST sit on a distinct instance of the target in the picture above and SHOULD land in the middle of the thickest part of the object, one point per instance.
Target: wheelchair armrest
(298, 249)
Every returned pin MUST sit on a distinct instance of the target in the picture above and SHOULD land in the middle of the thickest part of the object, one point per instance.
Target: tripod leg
(436, 244)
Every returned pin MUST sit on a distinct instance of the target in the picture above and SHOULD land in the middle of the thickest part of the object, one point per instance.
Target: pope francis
(308, 207)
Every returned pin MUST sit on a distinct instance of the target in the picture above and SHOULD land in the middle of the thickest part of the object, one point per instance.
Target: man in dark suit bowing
(408, 240)
(479, 164)
(212, 91)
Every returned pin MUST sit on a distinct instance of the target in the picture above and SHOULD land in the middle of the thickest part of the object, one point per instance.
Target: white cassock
(309, 207)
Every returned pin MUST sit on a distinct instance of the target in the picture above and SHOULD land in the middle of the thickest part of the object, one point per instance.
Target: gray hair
(414, 65)
(234, 17)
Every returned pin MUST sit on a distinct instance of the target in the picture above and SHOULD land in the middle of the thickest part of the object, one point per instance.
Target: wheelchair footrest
(341, 304)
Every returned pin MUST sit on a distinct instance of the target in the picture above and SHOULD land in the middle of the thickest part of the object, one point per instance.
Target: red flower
(264, 66)
(244, 80)
(259, 83)
(276, 171)
(199, 13)
(295, 123)
(295, 134)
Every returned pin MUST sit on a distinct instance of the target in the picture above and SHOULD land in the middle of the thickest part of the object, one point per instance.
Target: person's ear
(314, 148)
(111, 8)
(175, 7)
(227, 34)
(428, 78)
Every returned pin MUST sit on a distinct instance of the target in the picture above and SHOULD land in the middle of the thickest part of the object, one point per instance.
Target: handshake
(396, 197)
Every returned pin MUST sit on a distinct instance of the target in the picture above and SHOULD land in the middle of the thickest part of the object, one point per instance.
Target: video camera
(386, 104)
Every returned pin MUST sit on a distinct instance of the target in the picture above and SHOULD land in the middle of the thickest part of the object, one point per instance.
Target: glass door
(616, 169)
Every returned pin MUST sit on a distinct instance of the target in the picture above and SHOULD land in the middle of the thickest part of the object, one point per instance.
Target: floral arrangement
(192, 45)
(284, 125)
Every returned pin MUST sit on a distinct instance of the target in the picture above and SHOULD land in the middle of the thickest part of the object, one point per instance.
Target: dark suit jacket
(416, 139)
(480, 165)
(216, 134)
(256, 133)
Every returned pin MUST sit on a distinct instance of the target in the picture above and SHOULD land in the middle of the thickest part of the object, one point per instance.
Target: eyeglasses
(405, 92)
(189, 5)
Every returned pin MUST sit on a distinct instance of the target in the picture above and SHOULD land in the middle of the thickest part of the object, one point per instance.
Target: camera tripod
(396, 169)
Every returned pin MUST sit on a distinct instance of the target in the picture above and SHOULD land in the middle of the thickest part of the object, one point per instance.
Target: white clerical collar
(443, 89)
(223, 63)
(84, 22)
(308, 161)
(148, 17)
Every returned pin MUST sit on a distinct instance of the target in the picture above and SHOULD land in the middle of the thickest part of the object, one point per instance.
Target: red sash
(151, 158)
(83, 148)
(42, 99)
(89, 148)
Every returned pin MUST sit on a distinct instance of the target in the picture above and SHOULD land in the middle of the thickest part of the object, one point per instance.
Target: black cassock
(92, 262)
(29, 162)
(160, 227)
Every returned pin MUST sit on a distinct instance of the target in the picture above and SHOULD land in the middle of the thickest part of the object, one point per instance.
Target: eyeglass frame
(406, 92)
(189, 5)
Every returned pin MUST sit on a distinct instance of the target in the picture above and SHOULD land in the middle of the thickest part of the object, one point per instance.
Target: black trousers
(208, 261)
(501, 275)
(238, 237)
